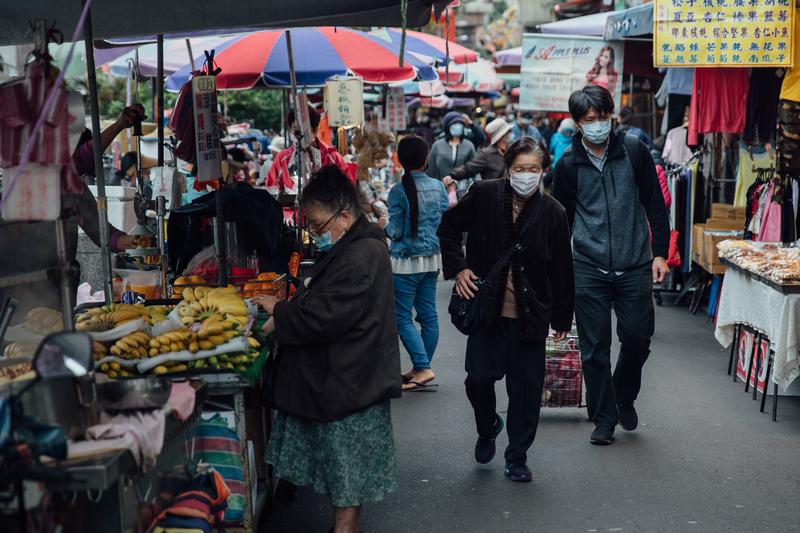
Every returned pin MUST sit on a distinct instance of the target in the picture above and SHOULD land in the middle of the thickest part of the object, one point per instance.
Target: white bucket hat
(497, 129)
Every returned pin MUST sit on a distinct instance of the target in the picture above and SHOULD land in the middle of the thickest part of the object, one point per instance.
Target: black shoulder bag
(469, 315)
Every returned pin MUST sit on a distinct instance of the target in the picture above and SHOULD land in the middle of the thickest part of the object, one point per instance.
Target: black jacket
(542, 266)
(339, 352)
(487, 162)
(609, 211)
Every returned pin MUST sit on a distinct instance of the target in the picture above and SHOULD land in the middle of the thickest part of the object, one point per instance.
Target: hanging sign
(209, 156)
(723, 33)
(344, 101)
(555, 66)
(396, 109)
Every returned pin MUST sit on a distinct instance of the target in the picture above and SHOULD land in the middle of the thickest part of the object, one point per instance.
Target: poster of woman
(603, 73)
(554, 66)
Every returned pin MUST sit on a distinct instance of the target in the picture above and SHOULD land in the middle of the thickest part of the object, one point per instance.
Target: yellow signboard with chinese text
(723, 33)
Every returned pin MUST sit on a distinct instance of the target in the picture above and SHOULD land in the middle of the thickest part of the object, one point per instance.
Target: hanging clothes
(762, 104)
(790, 89)
(749, 163)
(719, 101)
(679, 83)
(770, 230)
(675, 148)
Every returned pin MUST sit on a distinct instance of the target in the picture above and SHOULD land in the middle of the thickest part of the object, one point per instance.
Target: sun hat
(278, 143)
(497, 129)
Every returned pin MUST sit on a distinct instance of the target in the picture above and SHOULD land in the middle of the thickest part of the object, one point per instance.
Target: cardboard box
(726, 217)
(698, 241)
(704, 246)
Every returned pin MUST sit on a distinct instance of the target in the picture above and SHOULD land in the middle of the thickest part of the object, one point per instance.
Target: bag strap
(506, 255)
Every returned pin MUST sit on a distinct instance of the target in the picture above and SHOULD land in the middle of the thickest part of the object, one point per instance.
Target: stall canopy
(126, 18)
(588, 25)
(631, 22)
(261, 58)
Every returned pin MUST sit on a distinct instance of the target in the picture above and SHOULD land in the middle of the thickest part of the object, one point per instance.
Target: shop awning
(632, 22)
(588, 25)
(611, 25)
(123, 18)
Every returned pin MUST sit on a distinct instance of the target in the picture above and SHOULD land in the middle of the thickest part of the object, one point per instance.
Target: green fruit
(213, 360)
(241, 368)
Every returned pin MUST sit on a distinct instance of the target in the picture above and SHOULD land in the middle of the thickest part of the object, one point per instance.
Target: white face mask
(525, 183)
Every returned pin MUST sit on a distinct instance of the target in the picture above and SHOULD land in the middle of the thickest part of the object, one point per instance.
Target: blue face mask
(457, 129)
(324, 242)
(597, 132)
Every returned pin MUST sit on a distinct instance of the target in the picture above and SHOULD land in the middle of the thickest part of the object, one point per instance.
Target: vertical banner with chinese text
(344, 101)
(723, 33)
(209, 156)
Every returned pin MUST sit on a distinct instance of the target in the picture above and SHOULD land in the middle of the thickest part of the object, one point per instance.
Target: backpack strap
(633, 147)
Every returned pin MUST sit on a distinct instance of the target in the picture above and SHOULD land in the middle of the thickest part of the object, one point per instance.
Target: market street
(704, 458)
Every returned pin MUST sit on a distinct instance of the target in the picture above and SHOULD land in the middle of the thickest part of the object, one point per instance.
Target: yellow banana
(216, 339)
(228, 335)
(205, 345)
(188, 320)
(188, 294)
(253, 342)
(193, 347)
(153, 352)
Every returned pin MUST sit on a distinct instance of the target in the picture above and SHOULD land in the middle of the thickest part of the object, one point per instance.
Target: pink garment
(662, 179)
(23, 101)
(675, 148)
(181, 399)
(770, 230)
(141, 433)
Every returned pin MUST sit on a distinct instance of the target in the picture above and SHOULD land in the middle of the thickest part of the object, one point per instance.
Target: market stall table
(768, 308)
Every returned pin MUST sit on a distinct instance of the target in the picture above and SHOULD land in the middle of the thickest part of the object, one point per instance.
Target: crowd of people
(474, 206)
(531, 263)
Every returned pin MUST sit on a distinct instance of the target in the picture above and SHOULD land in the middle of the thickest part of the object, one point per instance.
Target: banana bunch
(133, 346)
(215, 331)
(115, 370)
(201, 303)
(174, 341)
(108, 317)
(99, 350)
(153, 314)
(43, 321)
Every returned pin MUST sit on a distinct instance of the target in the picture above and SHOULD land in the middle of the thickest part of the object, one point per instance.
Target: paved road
(703, 460)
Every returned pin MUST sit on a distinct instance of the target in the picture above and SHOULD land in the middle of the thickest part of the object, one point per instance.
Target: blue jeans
(417, 292)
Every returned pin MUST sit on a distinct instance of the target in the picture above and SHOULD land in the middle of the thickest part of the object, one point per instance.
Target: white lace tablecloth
(748, 301)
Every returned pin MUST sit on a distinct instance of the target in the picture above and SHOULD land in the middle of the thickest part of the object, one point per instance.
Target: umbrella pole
(99, 172)
(191, 56)
(298, 157)
(160, 99)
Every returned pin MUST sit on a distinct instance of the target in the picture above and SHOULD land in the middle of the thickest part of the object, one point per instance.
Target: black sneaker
(628, 418)
(602, 435)
(485, 448)
(518, 472)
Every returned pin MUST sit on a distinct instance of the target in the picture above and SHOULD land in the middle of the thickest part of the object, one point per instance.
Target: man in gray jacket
(620, 231)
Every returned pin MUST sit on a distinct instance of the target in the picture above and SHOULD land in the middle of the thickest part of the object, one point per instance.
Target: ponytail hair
(412, 152)
(413, 202)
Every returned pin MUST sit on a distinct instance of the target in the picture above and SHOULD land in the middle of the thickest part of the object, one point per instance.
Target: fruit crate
(248, 286)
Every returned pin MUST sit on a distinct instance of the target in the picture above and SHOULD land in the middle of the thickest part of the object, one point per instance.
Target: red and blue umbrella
(428, 45)
(261, 58)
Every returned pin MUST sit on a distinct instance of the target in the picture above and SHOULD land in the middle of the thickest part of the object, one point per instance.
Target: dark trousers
(499, 351)
(631, 295)
(675, 109)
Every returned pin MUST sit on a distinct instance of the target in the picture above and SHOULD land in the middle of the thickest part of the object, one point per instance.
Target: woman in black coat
(534, 291)
(339, 359)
